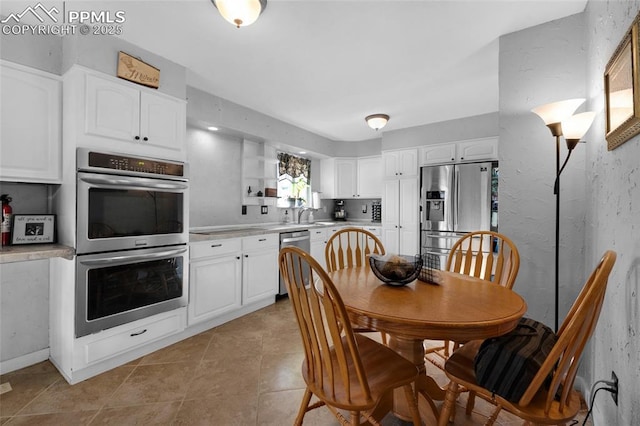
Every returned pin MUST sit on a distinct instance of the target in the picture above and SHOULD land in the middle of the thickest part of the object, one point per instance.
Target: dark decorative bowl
(396, 270)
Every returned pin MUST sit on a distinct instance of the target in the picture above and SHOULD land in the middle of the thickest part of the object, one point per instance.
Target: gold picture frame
(622, 90)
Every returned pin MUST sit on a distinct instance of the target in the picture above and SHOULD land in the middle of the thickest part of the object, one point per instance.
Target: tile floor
(245, 372)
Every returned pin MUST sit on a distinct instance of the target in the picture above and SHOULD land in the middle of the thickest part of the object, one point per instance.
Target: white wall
(477, 126)
(613, 222)
(539, 65)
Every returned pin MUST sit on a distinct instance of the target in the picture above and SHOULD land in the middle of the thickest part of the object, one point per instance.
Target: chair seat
(461, 365)
(385, 369)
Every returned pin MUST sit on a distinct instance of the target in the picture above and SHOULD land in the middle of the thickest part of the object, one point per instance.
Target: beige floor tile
(281, 408)
(280, 341)
(222, 409)
(281, 372)
(150, 414)
(239, 376)
(90, 394)
(191, 349)
(154, 383)
(25, 387)
(232, 343)
(54, 419)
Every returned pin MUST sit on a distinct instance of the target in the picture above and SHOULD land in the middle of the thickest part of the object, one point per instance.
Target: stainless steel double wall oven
(132, 235)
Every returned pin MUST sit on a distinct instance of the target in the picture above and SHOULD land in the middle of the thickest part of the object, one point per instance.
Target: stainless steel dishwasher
(299, 239)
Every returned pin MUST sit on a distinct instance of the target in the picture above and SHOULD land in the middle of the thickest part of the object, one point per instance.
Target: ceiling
(324, 65)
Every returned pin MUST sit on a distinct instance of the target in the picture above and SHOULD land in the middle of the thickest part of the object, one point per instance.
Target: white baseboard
(23, 361)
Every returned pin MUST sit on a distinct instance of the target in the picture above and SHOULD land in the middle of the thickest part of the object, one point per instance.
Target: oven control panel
(124, 163)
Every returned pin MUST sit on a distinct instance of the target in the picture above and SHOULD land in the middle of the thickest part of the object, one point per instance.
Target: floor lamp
(559, 119)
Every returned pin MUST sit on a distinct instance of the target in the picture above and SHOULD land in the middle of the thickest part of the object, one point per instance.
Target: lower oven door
(120, 287)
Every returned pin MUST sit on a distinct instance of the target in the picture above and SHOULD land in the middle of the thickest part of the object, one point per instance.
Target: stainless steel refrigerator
(456, 199)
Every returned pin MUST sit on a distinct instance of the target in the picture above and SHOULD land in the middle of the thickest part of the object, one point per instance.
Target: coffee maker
(339, 213)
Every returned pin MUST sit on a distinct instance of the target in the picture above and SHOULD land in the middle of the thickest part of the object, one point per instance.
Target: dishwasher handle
(294, 239)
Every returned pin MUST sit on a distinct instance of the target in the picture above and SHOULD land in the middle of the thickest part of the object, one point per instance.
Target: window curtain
(293, 166)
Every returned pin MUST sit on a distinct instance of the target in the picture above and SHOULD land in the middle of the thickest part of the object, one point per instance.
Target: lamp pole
(558, 117)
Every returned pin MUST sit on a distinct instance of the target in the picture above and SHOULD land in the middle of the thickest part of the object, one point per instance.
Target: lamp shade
(240, 12)
(557, 111)
(377, 121)
(576, 126)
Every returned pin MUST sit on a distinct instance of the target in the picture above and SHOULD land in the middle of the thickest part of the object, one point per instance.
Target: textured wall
(613, 222)
(539, 65)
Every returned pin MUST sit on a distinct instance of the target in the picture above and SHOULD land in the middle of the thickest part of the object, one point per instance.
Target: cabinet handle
(238, 257)
(138, 333)
(246, 255)
(145, 138)
(137, 138)
(462, 158)
(453, 159)
(216, 245)
(262, 239)
(400, 173)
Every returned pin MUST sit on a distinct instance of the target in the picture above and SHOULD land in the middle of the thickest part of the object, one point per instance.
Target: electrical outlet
(244, 209)
(264, 209)
(614, 392)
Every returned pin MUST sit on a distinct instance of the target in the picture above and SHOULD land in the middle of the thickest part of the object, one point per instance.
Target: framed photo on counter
(33, 229)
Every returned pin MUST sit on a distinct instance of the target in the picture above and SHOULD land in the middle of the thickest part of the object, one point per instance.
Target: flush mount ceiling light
(377, 121)
(240, 12)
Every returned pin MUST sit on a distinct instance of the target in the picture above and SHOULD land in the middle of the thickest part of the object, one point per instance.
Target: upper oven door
(118, 212)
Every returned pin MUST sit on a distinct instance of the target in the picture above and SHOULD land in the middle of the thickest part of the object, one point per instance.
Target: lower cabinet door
(215, 287)
(260, 275)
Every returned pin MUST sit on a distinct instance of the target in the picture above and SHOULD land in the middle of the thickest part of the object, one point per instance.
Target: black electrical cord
(593, 396)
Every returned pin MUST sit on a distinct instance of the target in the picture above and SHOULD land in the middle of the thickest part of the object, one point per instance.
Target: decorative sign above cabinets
(133, 69)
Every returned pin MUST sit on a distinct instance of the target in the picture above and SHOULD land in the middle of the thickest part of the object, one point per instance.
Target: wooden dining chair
(550, 397)
(349, 373)
(349, 248)
(487, 255)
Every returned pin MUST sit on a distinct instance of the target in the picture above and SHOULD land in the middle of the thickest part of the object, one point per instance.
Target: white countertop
(237, 231)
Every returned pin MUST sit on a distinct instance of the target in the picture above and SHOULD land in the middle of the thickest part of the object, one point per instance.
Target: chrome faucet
(302, 210)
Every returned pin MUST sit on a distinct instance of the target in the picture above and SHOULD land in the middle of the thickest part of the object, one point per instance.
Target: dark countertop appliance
(339, 212)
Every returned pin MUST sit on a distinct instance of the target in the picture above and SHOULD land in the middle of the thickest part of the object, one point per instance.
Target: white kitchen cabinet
(346, 178)
(369, 178)
(458, 152)
(31, 131)
(351, 177)
(401, 163)
(215, 271)
(259, 267)
(119, 116)
(400, 216)
(317, 244)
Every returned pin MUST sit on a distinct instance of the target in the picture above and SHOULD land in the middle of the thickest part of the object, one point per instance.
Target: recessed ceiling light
(213, 128)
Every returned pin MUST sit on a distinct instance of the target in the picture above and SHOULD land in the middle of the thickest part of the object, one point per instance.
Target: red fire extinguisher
(6, 219)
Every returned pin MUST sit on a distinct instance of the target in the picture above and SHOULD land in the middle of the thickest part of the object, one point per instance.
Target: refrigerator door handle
(456, 189)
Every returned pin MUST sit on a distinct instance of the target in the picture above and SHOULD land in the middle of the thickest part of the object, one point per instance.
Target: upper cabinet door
(31, 118)
(478, 149)
(402, 163)
(112, 110)
(438, 154)
(346, 175)
(369, 177)
(162, 121)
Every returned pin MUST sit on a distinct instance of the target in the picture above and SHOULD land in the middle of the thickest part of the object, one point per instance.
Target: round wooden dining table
(460, 308)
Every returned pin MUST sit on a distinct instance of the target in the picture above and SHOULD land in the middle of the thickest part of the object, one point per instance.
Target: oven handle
(122, 259)
(114, 181)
